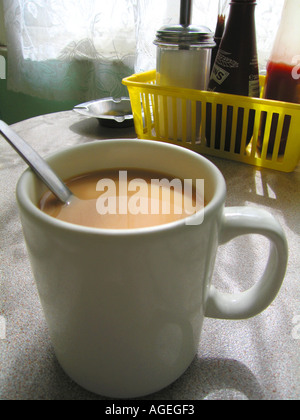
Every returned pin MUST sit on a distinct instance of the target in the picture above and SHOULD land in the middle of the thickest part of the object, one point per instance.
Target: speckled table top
(256, 359)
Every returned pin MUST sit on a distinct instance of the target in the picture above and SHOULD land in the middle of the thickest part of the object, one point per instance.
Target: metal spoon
(37, 164)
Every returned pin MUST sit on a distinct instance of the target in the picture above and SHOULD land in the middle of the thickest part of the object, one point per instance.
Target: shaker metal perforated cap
(180, 35)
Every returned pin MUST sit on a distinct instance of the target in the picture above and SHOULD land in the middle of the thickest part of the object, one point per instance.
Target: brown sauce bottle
(235, 71)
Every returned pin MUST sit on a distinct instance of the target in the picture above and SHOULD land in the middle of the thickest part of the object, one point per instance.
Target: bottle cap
(185, 36)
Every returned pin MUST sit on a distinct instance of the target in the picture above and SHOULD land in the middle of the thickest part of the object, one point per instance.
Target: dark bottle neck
(241, 10)
(247, 2)
(241, 22)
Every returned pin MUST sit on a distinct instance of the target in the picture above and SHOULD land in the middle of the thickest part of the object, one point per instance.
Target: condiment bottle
(235, 70)
(283, 75)
(221, 23)
(183, 61)
(236, 66)
(218, 37)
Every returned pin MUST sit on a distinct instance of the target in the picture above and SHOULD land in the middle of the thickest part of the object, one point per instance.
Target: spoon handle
(37, 164)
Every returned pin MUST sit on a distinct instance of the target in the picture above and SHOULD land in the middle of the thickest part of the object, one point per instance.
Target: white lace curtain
(81, 49)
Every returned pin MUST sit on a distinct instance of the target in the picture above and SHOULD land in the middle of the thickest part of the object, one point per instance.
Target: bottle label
(254, 86)
(224, 60)
(254, 78)
(226, 67)
(219, 75)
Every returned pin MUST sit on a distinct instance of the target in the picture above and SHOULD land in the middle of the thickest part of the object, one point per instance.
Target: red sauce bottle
(283, 74)
(283, 82)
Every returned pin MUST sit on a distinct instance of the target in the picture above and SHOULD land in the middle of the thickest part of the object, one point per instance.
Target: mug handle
(239, 221)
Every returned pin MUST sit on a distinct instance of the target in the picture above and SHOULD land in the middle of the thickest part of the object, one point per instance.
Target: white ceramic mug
(125, 308)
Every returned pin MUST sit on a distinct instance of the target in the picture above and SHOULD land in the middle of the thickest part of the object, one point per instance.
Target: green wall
(15, 107)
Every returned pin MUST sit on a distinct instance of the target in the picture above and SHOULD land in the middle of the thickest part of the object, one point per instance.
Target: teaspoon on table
(37, 164)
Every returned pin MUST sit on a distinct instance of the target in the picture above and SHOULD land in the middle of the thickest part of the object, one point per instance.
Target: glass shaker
(184, 56)
(183, 61)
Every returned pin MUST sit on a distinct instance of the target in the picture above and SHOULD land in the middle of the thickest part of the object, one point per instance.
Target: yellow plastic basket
(255, 131)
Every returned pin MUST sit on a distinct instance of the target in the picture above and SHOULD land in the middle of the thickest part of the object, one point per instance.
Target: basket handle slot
(273, 135)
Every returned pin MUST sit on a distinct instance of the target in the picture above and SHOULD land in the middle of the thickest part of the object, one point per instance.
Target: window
(80, 50)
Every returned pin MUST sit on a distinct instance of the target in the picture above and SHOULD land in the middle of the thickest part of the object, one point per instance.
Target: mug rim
(25, 202)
